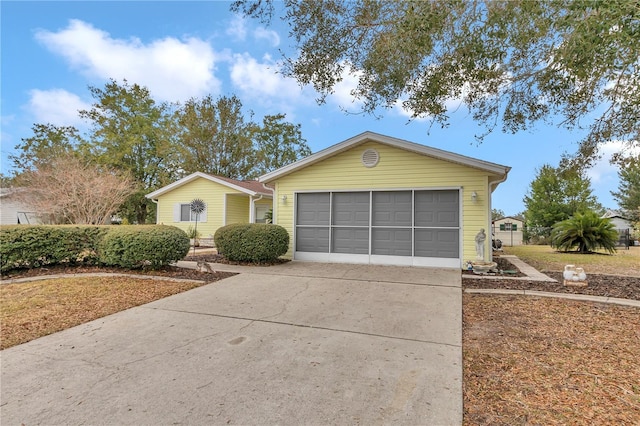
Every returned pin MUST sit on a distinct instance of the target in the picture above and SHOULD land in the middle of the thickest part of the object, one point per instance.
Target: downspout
(154, 201)
(252, 207)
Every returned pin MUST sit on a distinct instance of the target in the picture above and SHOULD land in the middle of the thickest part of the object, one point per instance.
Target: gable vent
(370, 158)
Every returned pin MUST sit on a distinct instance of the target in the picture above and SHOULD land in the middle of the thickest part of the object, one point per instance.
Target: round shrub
(143, 246)
(251, 242)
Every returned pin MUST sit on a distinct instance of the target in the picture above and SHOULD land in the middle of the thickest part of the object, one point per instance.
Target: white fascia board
(493, 168)
(196, 175)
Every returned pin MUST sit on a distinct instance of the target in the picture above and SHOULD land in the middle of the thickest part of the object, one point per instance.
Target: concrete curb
(569, 296)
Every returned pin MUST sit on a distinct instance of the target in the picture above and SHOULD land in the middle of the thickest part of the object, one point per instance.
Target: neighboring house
(381, 200)
(618, 220)
(14, 212)
(624, 227)
(508, 230)
(227, 201)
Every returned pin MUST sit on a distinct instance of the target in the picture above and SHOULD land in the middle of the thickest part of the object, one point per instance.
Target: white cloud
(605, 172)
(237, 28)
(171, 69)
(57, 107)
(262, 79)
(272, 37)
(343, 90)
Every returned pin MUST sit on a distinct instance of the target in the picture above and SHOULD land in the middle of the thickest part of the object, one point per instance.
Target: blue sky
(53, 51)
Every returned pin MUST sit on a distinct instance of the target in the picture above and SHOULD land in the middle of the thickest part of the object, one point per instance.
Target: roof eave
(155, 194)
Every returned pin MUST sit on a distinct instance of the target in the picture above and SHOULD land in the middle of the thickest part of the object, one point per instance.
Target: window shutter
(514, 227)
(502, 226)
(176, 212)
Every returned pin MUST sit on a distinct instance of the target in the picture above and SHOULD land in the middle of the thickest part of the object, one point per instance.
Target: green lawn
(544, 258)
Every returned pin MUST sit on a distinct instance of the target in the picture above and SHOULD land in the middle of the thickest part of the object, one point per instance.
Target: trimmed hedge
(24, 246)
(251, 242)
(143, 246)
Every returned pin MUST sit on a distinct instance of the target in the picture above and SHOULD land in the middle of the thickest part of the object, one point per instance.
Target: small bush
(251, 242)
(143, 246)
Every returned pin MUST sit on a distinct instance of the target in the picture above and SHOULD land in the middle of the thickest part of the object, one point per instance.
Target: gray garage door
(417, 227)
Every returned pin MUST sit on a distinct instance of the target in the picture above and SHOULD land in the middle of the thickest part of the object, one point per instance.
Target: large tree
(555, 195)
(278, 143)
(511, 62)
(47, 143)
(68, 189)
(215, 138)
(497, 214)
(133, 133)
(628, 194)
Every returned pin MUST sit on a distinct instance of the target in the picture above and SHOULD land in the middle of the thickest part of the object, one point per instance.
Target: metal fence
(624, 238)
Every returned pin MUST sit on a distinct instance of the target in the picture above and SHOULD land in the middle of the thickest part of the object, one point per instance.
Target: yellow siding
(210, 192)
(237, 209)
(396, 169)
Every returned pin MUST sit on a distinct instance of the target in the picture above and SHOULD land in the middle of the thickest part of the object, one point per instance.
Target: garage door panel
(437, 243)
(310, 239)
(447, 219)
(350, 240)
(313, 209)
(392, 208)
(391, 241)
(351, 208)
(450, 196)
(437, 208)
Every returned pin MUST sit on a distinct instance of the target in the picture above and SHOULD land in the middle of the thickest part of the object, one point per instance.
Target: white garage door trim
(321, 221)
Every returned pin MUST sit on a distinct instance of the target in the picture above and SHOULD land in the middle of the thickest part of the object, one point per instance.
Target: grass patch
(35, 309)
(545, 258)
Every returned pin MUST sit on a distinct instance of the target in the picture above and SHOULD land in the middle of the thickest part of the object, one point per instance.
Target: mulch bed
(546, 361)
(598, 285)
(169, 271)
(218, 258)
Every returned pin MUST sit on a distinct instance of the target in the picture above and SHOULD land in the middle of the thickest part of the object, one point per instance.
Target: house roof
(9, 191)
(499, 170)
(249, 187)
(610, 214)
(509, 217)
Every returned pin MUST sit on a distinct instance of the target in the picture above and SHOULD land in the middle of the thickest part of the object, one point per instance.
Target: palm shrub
(586, 231)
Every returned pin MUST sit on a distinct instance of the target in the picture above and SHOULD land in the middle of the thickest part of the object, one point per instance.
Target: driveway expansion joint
(310, 326)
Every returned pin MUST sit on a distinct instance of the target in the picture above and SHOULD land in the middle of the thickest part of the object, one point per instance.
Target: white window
(261, 211)
(182, 213)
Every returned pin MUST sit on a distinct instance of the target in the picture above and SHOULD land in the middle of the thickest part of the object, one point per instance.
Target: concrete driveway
(299, 343)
